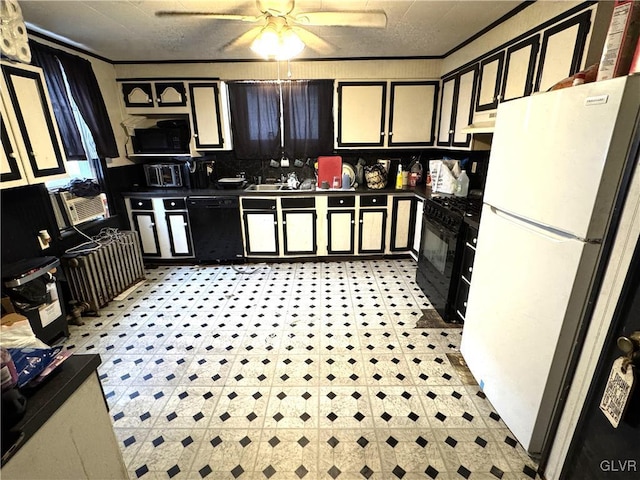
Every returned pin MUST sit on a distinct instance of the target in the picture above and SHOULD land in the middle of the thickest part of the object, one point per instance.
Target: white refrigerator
(558, 163)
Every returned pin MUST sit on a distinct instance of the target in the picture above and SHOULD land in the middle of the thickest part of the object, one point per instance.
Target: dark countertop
(44, 401)
(421, 191)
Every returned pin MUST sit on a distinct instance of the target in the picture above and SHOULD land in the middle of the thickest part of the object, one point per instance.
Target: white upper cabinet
(489, 82)
(32, 150)
(562, 51)
(361, 114)
(369, 116)
(154, 97)
(519, 69)
(456, 108)
(412, 116)
(210, 123)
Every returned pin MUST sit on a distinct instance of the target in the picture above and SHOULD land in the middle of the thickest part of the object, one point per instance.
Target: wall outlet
(44, 239)
(43, 245)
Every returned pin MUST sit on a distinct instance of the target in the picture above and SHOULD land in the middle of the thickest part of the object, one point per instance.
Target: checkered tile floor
(291, 371)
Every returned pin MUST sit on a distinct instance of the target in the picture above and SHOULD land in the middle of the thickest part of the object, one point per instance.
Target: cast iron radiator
(102, 270)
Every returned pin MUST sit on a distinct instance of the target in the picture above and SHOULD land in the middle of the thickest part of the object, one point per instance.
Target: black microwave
(161, 140)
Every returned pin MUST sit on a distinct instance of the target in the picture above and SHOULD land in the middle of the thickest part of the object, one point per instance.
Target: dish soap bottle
(462, 188)
(399, 178)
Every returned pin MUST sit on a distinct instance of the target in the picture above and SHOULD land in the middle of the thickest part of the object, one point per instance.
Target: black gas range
(441, 247)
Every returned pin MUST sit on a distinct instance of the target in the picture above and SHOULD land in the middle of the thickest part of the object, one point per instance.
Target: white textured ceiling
(129, 31)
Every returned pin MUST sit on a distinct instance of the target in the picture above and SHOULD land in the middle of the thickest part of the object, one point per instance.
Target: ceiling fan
(281, 34)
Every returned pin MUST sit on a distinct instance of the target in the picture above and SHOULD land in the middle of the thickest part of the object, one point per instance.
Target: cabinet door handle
(450, 131)
(475, 240)
(151, 225)
(361, 221)
(150, 100)
(341, 202)
(465, 304)
(195, 135)
(353, 222)
(470, 269)
(374, 200)
(173, 204)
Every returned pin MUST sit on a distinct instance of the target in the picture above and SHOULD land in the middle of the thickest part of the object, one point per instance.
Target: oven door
(436, 266)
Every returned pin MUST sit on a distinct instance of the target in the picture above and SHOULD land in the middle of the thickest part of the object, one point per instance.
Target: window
(85, 168)
(84, 126)
(292, 118)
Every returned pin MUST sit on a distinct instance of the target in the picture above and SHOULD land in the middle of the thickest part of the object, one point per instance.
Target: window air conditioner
(70, 210)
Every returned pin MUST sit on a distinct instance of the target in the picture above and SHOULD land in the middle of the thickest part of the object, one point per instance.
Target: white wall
(530, 18)
(263, 70)
(106, 76)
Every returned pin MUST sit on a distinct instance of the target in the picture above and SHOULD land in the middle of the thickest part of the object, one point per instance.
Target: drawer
(342, 201)
(462, 297)
(174, 204)
(373, 200)
(259, 203)
(140, 203)
(467, 262)
(300, 202)
(472, 236)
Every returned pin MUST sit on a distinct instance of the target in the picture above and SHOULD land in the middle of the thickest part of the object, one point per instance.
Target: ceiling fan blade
(375, 19)
(277, 8)
(313, 41)
(217, 16)
(243, 40)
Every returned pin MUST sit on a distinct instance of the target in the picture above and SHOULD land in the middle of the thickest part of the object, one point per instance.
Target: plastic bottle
(346, 181)
(462, 188)
(399, 178)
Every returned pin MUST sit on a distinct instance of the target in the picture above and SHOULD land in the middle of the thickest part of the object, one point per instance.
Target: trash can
(31, 285)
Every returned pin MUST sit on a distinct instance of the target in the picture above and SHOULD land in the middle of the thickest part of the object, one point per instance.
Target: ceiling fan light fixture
(290, 44)
(273, 43)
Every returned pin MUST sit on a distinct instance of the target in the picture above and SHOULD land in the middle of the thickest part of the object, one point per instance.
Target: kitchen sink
(263, 188)
(266, 188)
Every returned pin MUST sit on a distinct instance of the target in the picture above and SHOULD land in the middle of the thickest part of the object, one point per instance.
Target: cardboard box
(11, 318)
(621, 41)
(7, 306)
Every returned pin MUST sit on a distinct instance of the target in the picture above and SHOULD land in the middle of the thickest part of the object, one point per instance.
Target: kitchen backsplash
(229, 166)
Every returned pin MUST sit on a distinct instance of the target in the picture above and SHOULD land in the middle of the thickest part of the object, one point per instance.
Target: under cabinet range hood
(483, 122)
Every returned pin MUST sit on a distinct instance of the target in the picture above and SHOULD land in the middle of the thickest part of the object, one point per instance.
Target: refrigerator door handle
(545, 231)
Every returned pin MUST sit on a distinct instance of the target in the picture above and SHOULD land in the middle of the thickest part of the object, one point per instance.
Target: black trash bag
(84, 188)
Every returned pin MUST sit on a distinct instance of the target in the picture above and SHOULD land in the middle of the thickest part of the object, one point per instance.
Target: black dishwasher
(215, 228)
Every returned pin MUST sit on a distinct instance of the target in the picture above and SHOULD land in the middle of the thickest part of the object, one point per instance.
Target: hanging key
(621, 382)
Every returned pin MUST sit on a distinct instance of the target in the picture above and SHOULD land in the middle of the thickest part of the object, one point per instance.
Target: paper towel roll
(24, 53)
(19, 32)
(10, 10)
(8, 45)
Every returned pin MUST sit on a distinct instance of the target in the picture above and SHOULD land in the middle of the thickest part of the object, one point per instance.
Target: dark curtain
(44, 57)
(308, 118)
(255, 119)
(86, 93)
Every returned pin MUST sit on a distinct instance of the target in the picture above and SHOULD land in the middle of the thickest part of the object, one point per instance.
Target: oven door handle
(438, 229)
